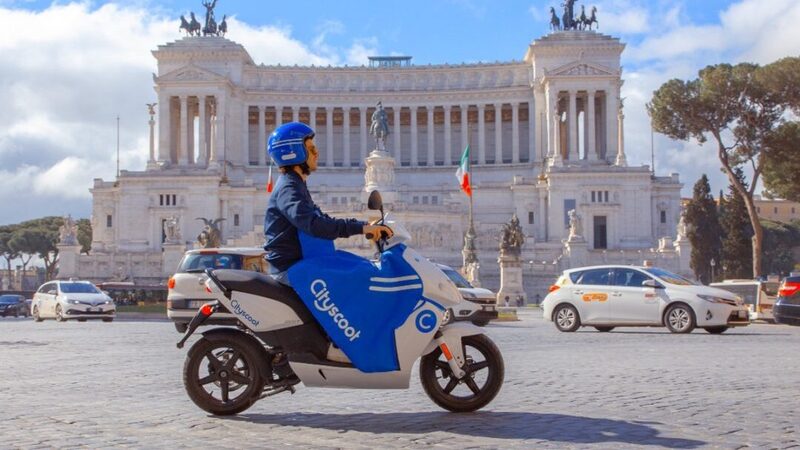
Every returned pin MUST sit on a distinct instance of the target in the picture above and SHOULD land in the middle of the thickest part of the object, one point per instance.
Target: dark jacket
(290, 208)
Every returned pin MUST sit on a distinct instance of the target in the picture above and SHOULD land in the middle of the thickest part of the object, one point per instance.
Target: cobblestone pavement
(119, 385)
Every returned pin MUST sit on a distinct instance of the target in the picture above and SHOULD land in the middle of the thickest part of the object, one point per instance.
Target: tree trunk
(758, 230)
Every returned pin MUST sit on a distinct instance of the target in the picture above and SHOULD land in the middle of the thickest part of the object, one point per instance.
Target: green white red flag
(463, 173)
(269, 180)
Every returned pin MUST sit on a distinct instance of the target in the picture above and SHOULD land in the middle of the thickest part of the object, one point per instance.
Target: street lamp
(713, 263)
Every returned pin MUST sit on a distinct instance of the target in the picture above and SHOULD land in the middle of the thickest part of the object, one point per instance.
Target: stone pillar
(448, 139)
(346, 135)
(278, 115)
(535, 131)
(481, 134)
(212, 136)
(183, 149)
(329, 136)
(164, 127)
(621, 159)
(69, 264)
(312, 117)
(515, 133)
(222, 113)
(245, 150)
(295, 114)
(151, 162)
(572, 126)
(414, 138)
(396, 118)
(498, 133)
(557, 157)
(511, 288)
(612, 110)
(262, 135)
(364, 131)
(591, 143)
(551, 122)
(430, 160)
(464, 126)
(202, 152)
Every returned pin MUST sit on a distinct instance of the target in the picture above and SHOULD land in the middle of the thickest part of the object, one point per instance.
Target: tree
(85, 235)
(45, 237)
(737, 243)
(9, 254)
(740, 107)
(23, 241)
(779, 238)
(782, 166)
(704, 230)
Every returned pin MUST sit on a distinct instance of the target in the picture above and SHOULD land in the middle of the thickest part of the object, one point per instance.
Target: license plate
(196, 303)
(742, 314)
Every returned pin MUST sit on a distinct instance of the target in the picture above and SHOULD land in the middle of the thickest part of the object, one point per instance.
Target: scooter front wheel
(484, 376)
(222, 375)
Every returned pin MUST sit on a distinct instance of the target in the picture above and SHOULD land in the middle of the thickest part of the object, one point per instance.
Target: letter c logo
(426, 321)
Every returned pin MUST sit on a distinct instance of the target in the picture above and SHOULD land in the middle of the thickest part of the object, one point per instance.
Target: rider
(290, 208)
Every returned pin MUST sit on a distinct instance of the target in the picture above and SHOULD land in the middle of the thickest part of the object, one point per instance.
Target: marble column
(244, 153)
(591, 143)
(183, 150)
(448, 150)
(481, 134)
(397, 148)
(612, 109)
(346, 135)
(464, 126)
(551, 122)
(498, 133)
(572, 127)
(164, 127)
(515, 133)
(221, 132)
(430, 159)
(364, 131)
(414, 138)
(621, 160)
(329, 136)
(312, 118)
(212, 134)
(262, 135)
(278, 115)
(537, 137)
(295, 114)
(202, 154)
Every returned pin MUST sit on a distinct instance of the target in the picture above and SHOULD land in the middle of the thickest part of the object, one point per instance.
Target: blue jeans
(281, 277)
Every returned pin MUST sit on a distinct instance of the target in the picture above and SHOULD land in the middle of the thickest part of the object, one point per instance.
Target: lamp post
(713, 263)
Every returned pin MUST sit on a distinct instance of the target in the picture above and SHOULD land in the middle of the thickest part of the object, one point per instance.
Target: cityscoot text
(324, 303)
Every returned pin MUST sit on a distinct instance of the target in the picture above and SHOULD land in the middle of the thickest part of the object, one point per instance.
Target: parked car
(13, 305)
(63, 300)
(787, 307)
(606, 297)
(479, 305)
(759, 296)
(186, 287)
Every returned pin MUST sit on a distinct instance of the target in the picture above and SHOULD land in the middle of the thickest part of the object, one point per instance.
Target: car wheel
(480, 323)
(604, 329)
(680, 319)
(16, 313)
(36, 316)
(181, 327)
(81, 320)
(108, 319)
(717, 330)
(59, 314)
(566, 318)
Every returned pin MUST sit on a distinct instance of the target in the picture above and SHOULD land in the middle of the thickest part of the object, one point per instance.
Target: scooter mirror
(375, 202)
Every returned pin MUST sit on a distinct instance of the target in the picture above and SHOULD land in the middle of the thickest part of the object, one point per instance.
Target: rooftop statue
(568, 20)
(210, 28)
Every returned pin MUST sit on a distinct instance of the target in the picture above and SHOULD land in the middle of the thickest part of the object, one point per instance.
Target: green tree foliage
(24, 241)
(45, 237)
(779, 239)
(740, 107)
(737, 244)
(782, 166)
(8, 253)
(85, 234)
(704, 231)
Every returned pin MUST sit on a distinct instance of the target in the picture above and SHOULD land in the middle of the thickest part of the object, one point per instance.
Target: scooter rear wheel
(485, 372)
(222, 376)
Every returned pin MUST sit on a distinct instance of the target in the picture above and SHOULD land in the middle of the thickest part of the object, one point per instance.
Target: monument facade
(545, 137)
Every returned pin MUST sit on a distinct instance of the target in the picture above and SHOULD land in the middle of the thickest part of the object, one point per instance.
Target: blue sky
(69, 68)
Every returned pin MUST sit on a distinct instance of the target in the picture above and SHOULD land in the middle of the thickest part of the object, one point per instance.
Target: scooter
(348, 322)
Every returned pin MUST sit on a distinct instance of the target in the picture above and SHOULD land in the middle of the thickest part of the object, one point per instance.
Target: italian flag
(463, 173)
(269, 180)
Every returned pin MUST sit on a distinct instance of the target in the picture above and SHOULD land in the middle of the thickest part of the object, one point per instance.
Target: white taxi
(606, 297)
(63, 300)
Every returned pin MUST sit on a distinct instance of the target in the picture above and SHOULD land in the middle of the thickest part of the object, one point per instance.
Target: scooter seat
(263, 285)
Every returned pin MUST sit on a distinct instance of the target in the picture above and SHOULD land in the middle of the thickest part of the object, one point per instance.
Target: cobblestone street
(119, 384)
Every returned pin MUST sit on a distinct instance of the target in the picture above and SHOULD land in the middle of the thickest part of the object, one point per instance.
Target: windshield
(457, 278)
(202, 261)
(10, 299)
(669, 277)
(78, 288)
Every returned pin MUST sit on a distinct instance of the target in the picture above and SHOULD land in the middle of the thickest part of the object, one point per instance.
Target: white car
(187, 289)
(611, 296)
(479, 305)
(63, 300)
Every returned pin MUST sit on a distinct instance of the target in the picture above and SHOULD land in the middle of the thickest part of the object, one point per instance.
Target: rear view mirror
(375, 202)
(651, 284)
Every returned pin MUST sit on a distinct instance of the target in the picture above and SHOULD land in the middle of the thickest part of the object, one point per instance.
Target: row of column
(592, 146)
(394, 144)
(176, 129)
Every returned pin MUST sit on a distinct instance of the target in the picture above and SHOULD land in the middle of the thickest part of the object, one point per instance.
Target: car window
(456, 278)
(202, 261)
(254, 263)
(45, 287)
(670, 277)
(78, 288)
(597, 277)
(10, 298)
(629, 278)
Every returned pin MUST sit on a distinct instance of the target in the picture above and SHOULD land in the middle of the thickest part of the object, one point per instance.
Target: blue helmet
(286, 144)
